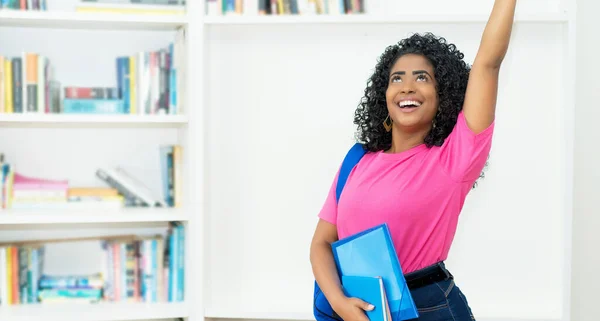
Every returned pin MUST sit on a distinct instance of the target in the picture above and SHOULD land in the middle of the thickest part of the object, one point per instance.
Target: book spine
(2, 88)
(181, 262)
(17, 85)
(31, 81)
(31, 280)
(154, 82)
(23, 262)
(94, 106)
(108, 283)
(122, 81)
(163, 69)
(172, 264)
(132, 199)
(91, 92)
(41, 84)
(8, 85)
(4, 301)
(172, 81)
(132, 78)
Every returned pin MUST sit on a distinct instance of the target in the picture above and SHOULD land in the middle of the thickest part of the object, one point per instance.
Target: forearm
(325, 272)
(496, 35)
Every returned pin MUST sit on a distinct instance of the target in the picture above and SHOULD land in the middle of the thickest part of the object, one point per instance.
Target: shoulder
(464, 152)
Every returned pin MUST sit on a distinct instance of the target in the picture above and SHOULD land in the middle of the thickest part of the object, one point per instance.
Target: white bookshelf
(148, 131)
(95, 312)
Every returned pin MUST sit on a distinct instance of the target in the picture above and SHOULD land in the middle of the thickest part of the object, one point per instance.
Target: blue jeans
(441, 301)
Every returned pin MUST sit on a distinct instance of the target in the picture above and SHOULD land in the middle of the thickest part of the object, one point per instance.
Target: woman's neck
(403, 141)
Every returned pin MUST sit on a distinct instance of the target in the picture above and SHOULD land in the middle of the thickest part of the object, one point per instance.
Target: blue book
(371, 253)
(93, 106)
(370, 290)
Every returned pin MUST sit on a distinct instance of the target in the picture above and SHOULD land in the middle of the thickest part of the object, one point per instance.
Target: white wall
(281, 100)
(586, 221)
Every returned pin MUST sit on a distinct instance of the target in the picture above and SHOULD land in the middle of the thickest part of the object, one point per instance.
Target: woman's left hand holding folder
(324, 269)
(352, 309)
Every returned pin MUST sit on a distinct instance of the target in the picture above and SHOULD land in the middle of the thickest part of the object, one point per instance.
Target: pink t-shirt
(419, 193)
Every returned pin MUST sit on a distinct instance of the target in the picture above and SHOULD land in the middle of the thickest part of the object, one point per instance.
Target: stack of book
(70, 288)
(145, 269)
(19, 191)
(29, 192)
(147, 83)
(95, 197)
(21, 266)
(38, 5)
(25, 192)
(27, 84)
(283, 7)
(134, 269)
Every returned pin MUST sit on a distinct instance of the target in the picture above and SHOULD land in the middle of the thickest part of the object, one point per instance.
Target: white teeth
(409, 102)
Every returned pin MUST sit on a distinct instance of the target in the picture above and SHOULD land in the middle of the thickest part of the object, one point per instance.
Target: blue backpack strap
(322, 310)
(352, 158)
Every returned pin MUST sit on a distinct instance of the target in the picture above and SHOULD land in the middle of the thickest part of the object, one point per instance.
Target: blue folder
(371, 253)
(370, 290)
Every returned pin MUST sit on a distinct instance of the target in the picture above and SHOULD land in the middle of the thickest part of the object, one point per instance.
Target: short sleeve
(329, 210)
(464, 153)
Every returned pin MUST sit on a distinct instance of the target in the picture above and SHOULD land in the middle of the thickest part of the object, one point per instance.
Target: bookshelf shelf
(75, 20)
(94, 312)
(71, 216)
(61, 120)
(374, 19)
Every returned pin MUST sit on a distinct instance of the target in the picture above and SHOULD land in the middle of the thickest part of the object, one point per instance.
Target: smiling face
(411, 96)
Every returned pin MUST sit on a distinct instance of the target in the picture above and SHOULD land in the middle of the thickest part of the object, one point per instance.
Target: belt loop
(442, 266)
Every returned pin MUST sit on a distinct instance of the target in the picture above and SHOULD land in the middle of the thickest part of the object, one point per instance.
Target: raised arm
(482, 89)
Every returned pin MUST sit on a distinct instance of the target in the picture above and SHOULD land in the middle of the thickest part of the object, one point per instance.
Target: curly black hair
(450, 71)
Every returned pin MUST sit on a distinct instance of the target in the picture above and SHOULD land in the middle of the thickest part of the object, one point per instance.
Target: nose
(407, 87)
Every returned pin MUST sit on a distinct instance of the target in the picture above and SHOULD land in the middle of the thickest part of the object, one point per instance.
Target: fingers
(362, 304)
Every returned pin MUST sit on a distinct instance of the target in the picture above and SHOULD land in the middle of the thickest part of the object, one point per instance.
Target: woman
(426, 120)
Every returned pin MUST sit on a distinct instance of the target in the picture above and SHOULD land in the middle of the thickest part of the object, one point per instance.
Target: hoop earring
(387, 123)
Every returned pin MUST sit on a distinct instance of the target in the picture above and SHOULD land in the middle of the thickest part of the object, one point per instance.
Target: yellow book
(178, 175)
(9, 275)
(8, 96)
(132, 85)
(92, 191)
(2, 85)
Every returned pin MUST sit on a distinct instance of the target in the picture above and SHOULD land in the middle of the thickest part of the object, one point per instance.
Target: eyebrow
(416, 72)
